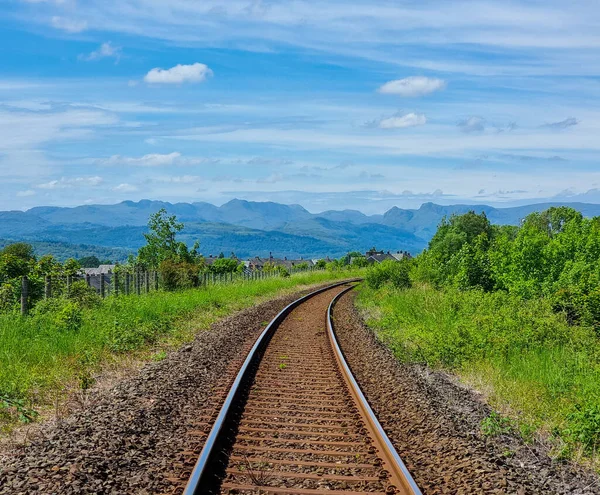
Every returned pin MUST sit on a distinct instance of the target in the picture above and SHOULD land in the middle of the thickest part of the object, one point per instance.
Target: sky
(329, 104)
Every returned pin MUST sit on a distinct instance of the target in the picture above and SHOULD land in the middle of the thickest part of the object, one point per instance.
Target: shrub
(178, 275)
(84, 295)
(70, 316)
(585, 427)
(8, 296)
(397, 273)
(60, 313)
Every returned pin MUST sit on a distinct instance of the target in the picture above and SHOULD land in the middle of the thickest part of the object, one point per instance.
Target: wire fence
(139, 282)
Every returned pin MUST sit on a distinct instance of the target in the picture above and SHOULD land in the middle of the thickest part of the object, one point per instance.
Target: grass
(46, 353)
(532, 365)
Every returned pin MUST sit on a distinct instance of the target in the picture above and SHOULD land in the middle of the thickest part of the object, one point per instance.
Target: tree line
(553, 254)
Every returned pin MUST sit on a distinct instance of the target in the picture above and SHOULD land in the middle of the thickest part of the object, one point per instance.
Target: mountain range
(247, 228)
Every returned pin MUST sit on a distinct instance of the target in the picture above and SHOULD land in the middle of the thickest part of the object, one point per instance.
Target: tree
(20, 250)
(91, 262)
(359, 262)
(225, 265)
(162, 244)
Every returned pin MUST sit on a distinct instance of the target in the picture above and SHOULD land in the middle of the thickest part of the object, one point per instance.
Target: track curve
(295, 420)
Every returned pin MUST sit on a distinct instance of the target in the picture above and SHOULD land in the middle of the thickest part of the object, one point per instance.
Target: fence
(136, 283)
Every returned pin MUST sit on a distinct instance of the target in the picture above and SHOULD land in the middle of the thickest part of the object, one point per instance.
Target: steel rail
(200, 473)
(401, 478)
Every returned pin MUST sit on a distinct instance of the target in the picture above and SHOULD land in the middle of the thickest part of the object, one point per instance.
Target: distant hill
(64, 250)
(250, 228)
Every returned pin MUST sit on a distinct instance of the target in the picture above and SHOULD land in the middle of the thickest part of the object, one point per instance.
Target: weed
(24, 413)
(585, 427)
(258, 474)
(282, 366)
(495, 425)
(158, 356)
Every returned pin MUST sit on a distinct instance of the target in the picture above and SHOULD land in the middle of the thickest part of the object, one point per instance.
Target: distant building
(257, 263)
(106, 269)
(374, 256)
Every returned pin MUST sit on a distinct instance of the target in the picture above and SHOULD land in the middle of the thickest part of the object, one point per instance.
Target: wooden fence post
(102, 288)
(116, 283)
(127, 283)
(24, 295)
(48, 288)
(138, 283)
(155, 280)
(147, 281)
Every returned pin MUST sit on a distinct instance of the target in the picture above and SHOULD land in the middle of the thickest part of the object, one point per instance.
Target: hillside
(249, 228)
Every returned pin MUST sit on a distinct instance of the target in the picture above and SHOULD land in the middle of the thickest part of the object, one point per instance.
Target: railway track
(295, 420)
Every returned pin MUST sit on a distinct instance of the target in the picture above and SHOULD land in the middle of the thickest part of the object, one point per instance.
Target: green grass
(531, 364)
(43, 354)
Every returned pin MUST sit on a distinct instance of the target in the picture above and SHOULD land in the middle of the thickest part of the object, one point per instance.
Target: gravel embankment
(130, 440)
(435, 425)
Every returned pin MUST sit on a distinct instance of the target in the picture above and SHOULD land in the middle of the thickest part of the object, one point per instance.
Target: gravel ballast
(130, 440)
(434, 423)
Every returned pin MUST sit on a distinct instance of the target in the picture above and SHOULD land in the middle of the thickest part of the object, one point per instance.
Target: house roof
(381, 257)
(97, 271)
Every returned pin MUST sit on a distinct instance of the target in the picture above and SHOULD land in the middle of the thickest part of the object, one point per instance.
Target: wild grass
(46, 352)
(526, 358)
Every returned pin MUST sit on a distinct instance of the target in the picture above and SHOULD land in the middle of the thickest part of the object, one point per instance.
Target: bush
(178, 275)
(585, 427)
(397, 273)
(282, 271)
(8, 296)
(60, 313)
(84, 295)
(70, 317)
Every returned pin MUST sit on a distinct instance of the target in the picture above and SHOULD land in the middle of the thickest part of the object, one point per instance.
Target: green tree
(91, 262)
(21, 250)
(225, 265)
(162, 244)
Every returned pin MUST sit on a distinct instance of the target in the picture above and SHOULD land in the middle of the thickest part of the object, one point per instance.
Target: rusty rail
(312, 410)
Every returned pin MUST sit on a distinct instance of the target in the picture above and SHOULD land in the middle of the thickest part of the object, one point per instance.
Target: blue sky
(329, 104)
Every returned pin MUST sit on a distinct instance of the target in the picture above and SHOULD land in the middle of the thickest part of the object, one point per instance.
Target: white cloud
(179, 179)
(412, 86)
(472, 124)
(69, 25)
(150, 160)
(174, 159)
(106, 50)
(194, 73)
(125, 188)
(25, 194)
(72, 183)
(402, 121)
